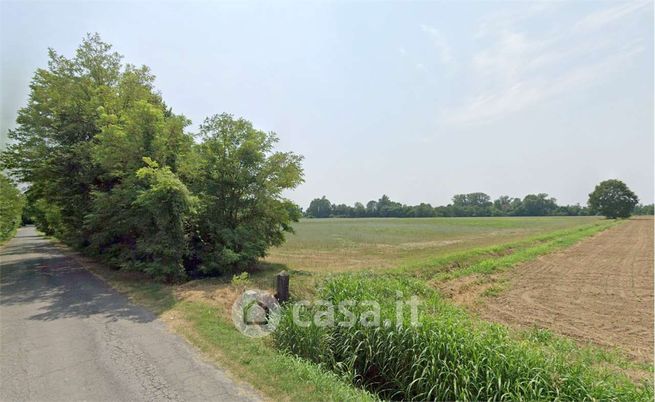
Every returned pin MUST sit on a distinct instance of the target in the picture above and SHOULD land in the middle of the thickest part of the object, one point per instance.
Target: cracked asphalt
(65, 335)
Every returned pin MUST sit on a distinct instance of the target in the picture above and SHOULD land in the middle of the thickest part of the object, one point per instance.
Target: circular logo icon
(256, 313)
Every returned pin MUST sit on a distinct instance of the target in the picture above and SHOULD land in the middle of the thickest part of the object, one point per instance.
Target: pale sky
(418, 100)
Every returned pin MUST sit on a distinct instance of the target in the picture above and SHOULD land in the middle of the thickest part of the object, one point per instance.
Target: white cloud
(603, 18)
(527, 92)
(440, 43)
(519, 70)
(502, 20)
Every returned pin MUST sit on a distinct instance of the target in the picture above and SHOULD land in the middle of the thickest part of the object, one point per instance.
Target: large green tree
(51, 145)
(239, 179)
(613, 199)
(111, 170)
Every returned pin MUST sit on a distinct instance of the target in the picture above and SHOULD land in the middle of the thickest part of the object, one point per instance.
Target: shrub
(140, 224)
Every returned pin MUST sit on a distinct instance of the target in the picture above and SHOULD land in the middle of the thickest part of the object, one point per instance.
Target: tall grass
(450, 356)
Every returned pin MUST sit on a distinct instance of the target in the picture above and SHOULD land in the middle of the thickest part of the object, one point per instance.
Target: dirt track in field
(600, 290)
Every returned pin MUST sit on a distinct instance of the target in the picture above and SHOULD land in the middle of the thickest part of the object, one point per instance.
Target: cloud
(527, 92)
(603, 18)
(440, 43)
(505, 19)
(520, 69)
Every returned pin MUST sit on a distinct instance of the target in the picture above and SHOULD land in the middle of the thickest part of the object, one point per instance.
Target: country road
(66, 335)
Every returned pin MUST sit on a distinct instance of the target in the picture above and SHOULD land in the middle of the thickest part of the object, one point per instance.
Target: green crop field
(354, 244)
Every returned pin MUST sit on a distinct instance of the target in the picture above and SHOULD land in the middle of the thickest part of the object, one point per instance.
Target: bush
(140, 224)
(164, 208)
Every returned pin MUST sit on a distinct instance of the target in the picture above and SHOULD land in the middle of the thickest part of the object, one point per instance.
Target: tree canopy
(111, 170)
(472, 204)
(613, 199)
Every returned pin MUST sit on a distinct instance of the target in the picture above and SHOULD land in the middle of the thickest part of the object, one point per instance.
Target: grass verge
(277, 375)
(449, 355)
(490, 259)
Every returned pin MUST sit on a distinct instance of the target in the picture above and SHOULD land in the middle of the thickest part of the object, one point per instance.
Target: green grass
(505, 256)
(338, 245)
(450, 356)
(494, 290)
(278, 375)
(456, 356)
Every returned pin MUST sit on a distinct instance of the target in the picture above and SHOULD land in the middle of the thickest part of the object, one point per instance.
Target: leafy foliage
(111, 170)
(11, 208)
(648, 209)
(239, 181)
(164, 207)
(613, 199)
(473, 204)
(320, 208)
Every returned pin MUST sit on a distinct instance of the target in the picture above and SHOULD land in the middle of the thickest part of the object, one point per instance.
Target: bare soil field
(600, 290)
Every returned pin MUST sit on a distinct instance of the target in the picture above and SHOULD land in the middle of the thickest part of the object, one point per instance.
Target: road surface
(66, 335)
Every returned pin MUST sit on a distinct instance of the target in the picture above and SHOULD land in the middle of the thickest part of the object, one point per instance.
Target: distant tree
(386, 207)
(423, 210)
(372, 208)
(538, 205)
(613, 199)
(472, 204)
(445, 211)
(342, 211)
(572, 210)
(319, 208)
(647, 209)
(359, 210)
(389, 208)
(506, 206)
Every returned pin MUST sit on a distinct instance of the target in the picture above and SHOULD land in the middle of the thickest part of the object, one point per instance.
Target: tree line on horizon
(462, 205)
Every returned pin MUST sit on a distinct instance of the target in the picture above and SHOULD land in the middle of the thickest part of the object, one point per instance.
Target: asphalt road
(66, 335)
